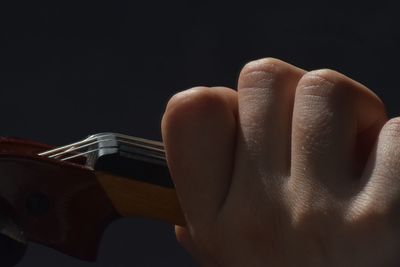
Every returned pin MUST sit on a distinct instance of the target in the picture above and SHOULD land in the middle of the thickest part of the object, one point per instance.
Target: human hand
(294, 168)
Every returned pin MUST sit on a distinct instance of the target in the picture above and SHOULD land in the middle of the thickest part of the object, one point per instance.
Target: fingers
(382, 174)
(266, 91)
(315, 130)
(331, 114)
(198, 130)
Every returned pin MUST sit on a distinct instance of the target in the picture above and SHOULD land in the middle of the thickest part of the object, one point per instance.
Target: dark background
(69, 70)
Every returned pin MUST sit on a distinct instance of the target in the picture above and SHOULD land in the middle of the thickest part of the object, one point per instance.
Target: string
(69, 150)
(74, 147)
(148, 148)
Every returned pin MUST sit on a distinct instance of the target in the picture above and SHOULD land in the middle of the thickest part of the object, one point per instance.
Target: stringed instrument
(65, 197)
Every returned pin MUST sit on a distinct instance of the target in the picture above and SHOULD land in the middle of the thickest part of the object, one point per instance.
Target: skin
(293, 168)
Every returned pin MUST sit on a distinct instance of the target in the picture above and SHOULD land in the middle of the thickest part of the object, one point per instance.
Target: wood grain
(132, 198)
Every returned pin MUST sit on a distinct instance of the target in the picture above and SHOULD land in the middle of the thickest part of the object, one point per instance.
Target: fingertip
(198, 100)
(199, 129)
(189, 110)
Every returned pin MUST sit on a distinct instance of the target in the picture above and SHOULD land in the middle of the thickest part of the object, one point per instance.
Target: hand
(294, 168)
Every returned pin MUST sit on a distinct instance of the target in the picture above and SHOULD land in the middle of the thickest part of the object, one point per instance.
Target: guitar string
(147, 143)
(153, 145)
(64, 148)
(80, 154)
(68, 149)
(97, 149)
(159, 155)
(132, 138)
(71, 149)
(150, 150)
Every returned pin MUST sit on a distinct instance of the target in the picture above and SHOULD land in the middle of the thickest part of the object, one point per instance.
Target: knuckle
(392, 127)
(187, 95)
(260, 72)
(197, 100)
(198, 104)
(323, 83)
(371, 216)
(309, 209)
(388, 148)
(265, 64)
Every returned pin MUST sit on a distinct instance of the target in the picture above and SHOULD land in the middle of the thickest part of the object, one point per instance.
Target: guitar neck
(135, 198)
(136, 178)
(133, 173)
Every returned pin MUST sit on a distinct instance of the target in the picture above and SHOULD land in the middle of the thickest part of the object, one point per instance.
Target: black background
(68, 70)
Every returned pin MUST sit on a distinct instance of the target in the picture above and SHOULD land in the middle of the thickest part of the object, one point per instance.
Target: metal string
(150, 148)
